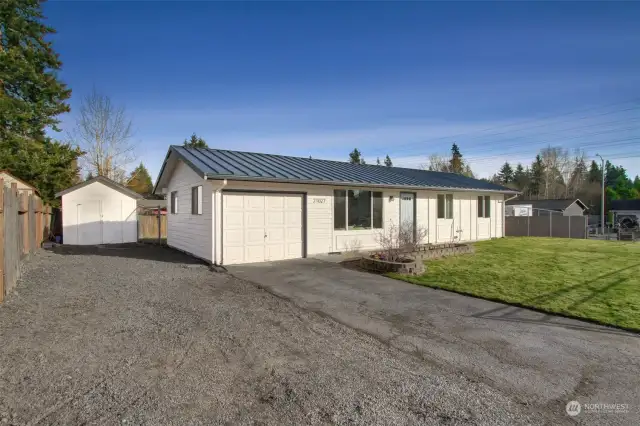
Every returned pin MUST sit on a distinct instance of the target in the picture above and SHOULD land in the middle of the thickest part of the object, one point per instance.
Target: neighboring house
(23, 187)
(572, 207)
(231, 207)
(99, 211)
(625, 208)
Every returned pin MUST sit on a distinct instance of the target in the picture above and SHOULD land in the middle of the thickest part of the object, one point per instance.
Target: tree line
(554, 173)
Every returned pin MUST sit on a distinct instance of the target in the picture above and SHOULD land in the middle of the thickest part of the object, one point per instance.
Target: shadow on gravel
(133, 251)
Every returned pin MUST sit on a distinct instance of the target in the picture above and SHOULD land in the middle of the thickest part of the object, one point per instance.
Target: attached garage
(99, 211)
(262, 226)
(230, 207)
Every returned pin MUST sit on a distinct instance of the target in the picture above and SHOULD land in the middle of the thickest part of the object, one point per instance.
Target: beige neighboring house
(23, 187)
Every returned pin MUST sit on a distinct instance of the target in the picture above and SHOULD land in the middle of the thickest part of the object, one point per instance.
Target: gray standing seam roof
(225, 164)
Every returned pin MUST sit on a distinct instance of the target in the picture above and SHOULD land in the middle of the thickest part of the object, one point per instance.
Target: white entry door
(258, 227)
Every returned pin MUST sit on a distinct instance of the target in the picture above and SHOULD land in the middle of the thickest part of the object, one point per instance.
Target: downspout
(216, 219)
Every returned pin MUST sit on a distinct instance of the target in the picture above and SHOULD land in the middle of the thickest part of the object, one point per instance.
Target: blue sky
(407, 79)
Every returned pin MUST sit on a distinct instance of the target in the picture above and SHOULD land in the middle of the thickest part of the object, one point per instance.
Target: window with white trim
(196, 200)
(174, 202)
(445, 206)
(484, 206)
(357, 209)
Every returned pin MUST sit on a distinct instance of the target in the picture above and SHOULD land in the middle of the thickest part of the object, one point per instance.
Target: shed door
(261, 227)
(89, 223)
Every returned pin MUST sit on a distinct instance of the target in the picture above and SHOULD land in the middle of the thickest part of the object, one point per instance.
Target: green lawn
(597, 280)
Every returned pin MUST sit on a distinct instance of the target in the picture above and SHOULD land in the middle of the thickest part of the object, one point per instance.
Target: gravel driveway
(145, 335)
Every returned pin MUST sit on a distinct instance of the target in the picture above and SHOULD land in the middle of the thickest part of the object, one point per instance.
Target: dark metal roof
(236, 165)
(559, 205)
(104, 180)
(625, 204)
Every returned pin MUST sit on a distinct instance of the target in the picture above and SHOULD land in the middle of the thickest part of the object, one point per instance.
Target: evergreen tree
(31, 98)
(387, 161)
(537, 176)
(378, 161)
(636, 183)
(520, 177)
(140, 180)
(506, 173)
(89, 176)
(595, 174)
(456, 164)
(195, 142)
(355, 157)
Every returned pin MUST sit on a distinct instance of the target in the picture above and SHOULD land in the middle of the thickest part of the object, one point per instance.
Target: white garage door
(261, 227)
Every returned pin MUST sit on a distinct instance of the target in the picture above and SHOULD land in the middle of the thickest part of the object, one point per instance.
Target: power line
(460, 141)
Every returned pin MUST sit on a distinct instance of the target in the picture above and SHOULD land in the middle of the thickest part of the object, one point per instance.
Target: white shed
(230, 207)
(99, 211)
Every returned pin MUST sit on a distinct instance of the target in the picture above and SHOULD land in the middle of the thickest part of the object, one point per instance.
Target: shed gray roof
(104, 180)
(236, 165)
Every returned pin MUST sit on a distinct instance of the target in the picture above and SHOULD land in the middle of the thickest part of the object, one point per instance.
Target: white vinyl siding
(98, 214)
(185, 231)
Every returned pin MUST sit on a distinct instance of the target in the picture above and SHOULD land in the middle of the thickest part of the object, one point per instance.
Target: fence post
(569, 226)
(159, 227)
(1, 239)
(550, 224)
(529, 225)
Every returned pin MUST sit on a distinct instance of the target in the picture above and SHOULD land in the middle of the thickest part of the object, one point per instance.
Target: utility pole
(602, 201)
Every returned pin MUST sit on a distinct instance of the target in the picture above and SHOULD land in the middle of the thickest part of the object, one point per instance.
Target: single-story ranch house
(230, 207)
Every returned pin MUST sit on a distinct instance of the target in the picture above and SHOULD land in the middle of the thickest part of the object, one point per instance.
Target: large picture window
(355, 209)
(484, 206)
(445, 206)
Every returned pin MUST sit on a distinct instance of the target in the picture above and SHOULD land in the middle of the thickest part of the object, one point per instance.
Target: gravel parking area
(146, 335)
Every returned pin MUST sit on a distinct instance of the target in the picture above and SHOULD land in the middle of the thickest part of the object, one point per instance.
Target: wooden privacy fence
(24, 223)
(152, 227)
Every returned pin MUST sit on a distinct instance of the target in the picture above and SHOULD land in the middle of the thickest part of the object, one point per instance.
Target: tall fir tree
(355, 157)
(387, 161)
(195, 142)
(378, 161)
(456, 164)
(520, 177)
(140, 180)
(31, 95)
(31, 99)
(505, 175)
(536, 178)
(595, 174)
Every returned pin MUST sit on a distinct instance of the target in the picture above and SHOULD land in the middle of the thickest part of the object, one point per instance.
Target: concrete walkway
(540, 359)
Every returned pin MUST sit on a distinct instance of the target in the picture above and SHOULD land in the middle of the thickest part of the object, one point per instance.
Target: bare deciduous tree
(104, 131)
(438, 163)
(396, 240)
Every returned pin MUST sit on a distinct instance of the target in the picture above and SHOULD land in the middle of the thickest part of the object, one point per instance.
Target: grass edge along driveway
(589, 279)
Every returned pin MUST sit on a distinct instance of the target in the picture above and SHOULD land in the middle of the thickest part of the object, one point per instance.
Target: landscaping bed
(411, 262)
(588, 279)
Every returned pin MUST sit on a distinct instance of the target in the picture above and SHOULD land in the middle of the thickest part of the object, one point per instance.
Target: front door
(408, 213)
